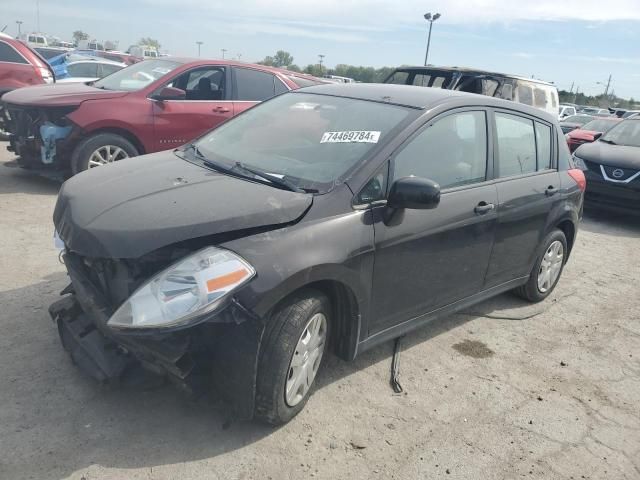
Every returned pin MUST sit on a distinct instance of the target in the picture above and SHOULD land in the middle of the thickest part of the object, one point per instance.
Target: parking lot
(503, 390)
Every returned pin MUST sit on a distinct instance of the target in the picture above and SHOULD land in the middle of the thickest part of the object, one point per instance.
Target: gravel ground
(503, 390)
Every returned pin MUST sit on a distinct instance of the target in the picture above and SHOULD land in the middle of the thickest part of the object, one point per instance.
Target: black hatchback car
(328, 219)
(612, 167)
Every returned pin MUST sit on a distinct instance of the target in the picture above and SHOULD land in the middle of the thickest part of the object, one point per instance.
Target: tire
(287, 325)
(532, 290)
(120, 146)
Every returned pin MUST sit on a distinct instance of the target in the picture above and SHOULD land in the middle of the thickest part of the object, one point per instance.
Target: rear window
(9, 54)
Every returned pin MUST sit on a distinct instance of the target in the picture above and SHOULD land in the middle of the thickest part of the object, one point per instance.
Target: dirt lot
(504, 390)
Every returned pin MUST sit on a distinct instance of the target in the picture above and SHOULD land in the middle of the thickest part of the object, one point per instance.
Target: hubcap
(550, 266)
(306, 360)
(106, 154)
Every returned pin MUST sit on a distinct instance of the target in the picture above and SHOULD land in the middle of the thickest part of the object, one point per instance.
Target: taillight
(578, 176)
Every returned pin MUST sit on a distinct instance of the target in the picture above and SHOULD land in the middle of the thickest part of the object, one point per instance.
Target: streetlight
(430, 19)
(223, 50)
(19, 23)
(320, 58)
(199, 43)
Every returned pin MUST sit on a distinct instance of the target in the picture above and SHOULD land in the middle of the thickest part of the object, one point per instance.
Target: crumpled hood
(58, 95)
(612, 155)
(138, 205)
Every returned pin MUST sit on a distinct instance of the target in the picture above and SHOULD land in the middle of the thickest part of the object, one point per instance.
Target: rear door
(207, 104)
(426, 259)
(528, 184)
(252, 86)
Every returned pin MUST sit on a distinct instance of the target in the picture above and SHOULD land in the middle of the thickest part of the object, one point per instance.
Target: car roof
(417, 97)
(100, 60)
(475, 71)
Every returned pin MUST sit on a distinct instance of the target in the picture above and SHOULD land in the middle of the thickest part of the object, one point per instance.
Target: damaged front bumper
(221, 352)
(40, 137)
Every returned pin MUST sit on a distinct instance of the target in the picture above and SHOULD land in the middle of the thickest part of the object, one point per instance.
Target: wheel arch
(123, 133)
(345, 314)
(569, 229)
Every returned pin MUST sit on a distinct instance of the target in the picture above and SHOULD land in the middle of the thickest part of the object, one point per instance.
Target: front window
(309, 140)
(137, 76)
(625, 133)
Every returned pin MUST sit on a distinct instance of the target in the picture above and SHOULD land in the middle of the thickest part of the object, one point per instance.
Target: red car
(20, 65)
(590, 131)
(150, 106)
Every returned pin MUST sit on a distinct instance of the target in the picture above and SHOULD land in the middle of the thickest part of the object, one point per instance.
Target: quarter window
(525, 94)
(516, 145)
(452, 151)
(9, 54)
(398, 78)
(252, 85)
(543, 142)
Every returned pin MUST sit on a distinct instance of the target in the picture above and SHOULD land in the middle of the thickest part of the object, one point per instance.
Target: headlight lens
(194, 286)
(579, 163)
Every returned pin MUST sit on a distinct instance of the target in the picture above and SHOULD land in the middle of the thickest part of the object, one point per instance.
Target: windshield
(599, 125)
(137, 76)
(580, 119)
(624, 133)
(312, 141)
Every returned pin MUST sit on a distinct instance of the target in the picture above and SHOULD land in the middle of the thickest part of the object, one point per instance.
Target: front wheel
(292, 352)
(547, 269)
(101, 149)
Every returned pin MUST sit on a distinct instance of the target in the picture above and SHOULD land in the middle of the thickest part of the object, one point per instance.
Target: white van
(529, 91)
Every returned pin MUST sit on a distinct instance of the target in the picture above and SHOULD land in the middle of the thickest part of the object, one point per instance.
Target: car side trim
(416, 322)
(609, 179)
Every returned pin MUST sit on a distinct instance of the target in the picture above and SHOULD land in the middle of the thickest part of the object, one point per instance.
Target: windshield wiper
(238, 167)
(275, 180)
(610, 142)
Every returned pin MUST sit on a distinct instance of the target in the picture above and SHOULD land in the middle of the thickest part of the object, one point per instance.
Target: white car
(565, 111)
(90, 69)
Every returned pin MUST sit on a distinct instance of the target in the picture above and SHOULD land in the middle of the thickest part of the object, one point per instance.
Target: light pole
(19, 23)
(320, 58)
(223, 50)
(430, 19)
(199, 43)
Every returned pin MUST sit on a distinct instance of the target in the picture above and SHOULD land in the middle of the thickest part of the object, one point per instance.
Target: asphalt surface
(503, 390)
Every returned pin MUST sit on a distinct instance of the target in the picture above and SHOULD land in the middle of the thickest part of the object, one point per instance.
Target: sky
(568, 42)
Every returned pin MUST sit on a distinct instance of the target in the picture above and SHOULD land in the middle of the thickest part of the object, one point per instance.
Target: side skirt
(412, 324)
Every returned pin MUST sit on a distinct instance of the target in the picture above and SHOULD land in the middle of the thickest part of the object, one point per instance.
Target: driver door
(207, 104)
(427, 259)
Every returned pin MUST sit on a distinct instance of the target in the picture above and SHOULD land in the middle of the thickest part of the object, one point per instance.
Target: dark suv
(331, 218)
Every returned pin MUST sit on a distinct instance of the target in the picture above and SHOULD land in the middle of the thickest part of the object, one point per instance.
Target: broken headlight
(184, 292)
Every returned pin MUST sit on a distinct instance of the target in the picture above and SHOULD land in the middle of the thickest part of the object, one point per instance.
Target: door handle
(484, 207)
(221, 109)
(551, 190)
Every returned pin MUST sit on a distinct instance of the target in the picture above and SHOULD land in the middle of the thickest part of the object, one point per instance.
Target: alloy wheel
(106, 154)
(550, 266)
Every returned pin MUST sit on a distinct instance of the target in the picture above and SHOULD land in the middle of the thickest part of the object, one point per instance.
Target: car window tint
(202, 84)
(398, 78)
(88, 70)
(539, 98)
(421, 80)
(452, 151)
(516, 145)
(9, 54)
(375, 189)
(507, 91)
(543, 142)
(525, 94)
(253, 85)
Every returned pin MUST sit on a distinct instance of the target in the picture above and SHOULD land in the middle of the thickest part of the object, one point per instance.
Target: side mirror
(169, 93)
(414, 193)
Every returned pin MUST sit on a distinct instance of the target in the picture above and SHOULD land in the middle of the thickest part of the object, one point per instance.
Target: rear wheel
(292, 352)
(101, 149)
(547, 269)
